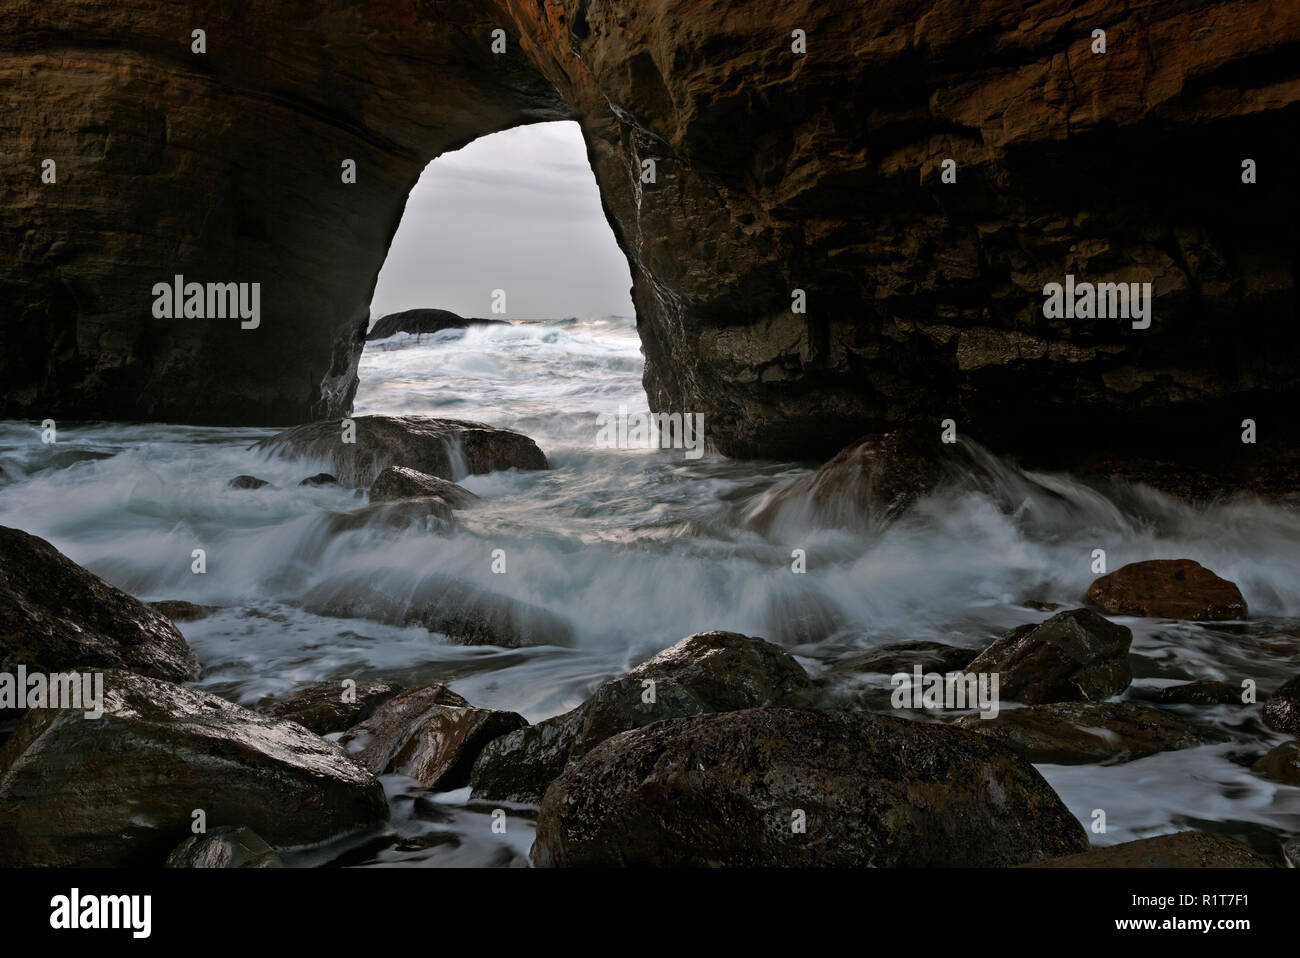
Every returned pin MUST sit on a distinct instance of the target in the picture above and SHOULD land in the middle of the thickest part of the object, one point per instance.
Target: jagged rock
(423, 322)
(325, 707)
(1167, 589)
(55, 616)
(225, 847)
(432, 735)
(247, 482)
(727, 789)
(1202, 693)
(399, 482)
(446, 448)
(703, 673)
(1281, 763)
(1079, 733)
(320, 479)
(430, 513)
(178, 610)
(465, 613)
(1179, 850)
(1282, 709)
(120, 790)
(1073, 656)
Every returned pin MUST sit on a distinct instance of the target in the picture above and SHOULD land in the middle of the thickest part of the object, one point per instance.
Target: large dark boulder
(703, 673)
(56, 616)
(1167, 589)
(121, 789)
(1073, 656)
(424, 322)
(1281, 710)
(1080, 733)
(731, 789)
(447, 448)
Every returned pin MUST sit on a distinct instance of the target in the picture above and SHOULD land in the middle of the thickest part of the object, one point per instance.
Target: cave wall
(774, 171)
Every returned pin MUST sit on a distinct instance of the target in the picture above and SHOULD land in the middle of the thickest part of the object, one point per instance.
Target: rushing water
(638, 548)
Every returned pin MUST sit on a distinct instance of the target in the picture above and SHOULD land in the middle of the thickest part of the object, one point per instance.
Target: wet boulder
(1073, 656)
(1202, 693)
(320, 479)
(798, 788)
(431, 735)
(906, 656)
(120, 790)
(246, 482)
(1179, 850)
(399, 482)
(178, 610)
(325, 707)
(1281, 710)
(1167, 589)
(224, 847)
(432, 514)
(55, 616)
(1282, 764)
(446, 448)
(703, 673)
(465, 613)
(1081, 733)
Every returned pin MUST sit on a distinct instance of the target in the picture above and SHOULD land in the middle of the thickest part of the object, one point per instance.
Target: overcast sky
(517, 211)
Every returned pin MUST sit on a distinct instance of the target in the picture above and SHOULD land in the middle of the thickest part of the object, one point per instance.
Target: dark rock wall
(775, 171)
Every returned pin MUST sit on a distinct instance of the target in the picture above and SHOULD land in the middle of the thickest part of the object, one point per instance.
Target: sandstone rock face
(1168, 589)
(325, 707)
(119, 790)
(432, 735)
(876, 791)
(225, 847)
(1079, 733)
(776, 171)
(56, 616)
(1180, 850)
(1073, 656)
(703, 673)
(398, 482)
(424, 322)
(445, 448)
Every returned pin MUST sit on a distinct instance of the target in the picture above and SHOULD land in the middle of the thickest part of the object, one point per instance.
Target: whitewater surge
(638, 548)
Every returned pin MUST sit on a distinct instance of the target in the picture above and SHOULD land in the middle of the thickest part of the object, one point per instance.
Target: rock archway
(774, 171)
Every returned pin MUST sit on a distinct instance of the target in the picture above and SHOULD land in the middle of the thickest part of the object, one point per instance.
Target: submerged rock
(424, 321)
(399, 482)
(1281, 764)
(1282, 709)
(431, 513)
(224, 847)
(465, 613)
(320, 479)
(801, 615)
(55, 616)
(431, 734)
(1079, 733)
(178, 610)
(1202, 693)
(325, 707)
(905, 656)
(445, 448)
(796, 788)
(703, 673)
(1179, 850)
(247, 482)
(120, 790)
(1073, 656)
(1168, 589)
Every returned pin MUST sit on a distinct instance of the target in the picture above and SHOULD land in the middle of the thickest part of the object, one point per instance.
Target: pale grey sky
(517, 211)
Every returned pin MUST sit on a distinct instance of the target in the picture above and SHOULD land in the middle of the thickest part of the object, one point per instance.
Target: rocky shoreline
(721, 750)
